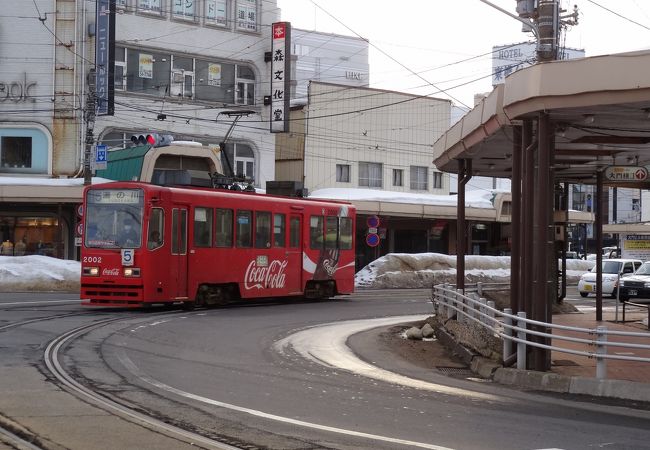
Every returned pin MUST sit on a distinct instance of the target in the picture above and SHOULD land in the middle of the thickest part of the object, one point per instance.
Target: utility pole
(89, 119)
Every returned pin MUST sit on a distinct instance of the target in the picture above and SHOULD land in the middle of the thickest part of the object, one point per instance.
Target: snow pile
(396, 270)
(38, 273)
(423, 270)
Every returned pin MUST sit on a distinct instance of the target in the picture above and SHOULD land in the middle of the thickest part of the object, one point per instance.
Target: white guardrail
(449, 302)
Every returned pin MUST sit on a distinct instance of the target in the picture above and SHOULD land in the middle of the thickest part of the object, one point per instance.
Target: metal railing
(472, 308)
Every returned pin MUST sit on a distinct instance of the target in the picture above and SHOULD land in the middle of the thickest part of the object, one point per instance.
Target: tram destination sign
(113, 196)
(626, 173)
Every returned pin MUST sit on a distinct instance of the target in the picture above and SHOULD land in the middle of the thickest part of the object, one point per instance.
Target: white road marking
(39, 302)
(326, 344)
(137, 372)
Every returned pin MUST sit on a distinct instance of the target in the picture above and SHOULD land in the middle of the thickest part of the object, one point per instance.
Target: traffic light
(153, 139)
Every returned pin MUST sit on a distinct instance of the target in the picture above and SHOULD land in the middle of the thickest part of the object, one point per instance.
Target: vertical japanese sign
(280, 76)
(105, 57)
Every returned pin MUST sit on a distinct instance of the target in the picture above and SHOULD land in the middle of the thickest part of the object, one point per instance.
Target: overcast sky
(424, 35)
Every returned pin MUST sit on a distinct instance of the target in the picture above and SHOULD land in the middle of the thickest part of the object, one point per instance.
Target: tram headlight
(131, 272)
(91, 271)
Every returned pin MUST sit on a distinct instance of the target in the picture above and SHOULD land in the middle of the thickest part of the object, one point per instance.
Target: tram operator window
(156, 228)
(262, 229)
(346, 233)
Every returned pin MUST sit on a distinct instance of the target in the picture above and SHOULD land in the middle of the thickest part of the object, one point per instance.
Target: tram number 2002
(93, 259)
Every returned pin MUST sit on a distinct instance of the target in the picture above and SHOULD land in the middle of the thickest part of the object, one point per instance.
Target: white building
(327, 57)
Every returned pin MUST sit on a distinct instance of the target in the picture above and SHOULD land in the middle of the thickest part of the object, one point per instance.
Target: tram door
(294, 254)
(178, 269)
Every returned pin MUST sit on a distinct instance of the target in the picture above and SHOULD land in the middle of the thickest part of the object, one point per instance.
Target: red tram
(146, 244)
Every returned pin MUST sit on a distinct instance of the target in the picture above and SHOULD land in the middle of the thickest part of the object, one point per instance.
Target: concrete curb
(552, 382)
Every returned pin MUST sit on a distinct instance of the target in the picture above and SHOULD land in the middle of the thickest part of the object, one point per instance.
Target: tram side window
(243, 230)
(345, 227)
(156, 228)
(224, 228)
(279, 230)
(331, 231)
(203, 227)
(294, 232)
(262, 229)
(316, 232)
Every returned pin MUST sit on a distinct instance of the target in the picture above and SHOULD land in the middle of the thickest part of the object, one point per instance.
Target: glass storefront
(31, 235)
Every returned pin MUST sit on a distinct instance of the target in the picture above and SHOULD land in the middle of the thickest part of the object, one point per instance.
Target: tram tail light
(91, 271)
(131, 271)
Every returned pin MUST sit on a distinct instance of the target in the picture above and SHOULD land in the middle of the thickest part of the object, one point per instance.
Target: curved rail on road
(52, 362)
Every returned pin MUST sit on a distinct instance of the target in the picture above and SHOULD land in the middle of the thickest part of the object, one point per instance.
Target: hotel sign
(280, 76)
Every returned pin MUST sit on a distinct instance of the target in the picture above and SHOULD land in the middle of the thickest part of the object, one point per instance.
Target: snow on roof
(473, 199)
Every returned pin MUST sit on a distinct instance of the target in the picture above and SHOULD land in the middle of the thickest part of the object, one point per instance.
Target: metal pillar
(516, 222)
(527, 235)
(464, 175)
(543, 239)
(599, 245)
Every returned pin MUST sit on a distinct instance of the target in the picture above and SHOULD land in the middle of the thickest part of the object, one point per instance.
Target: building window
(182, 82)
(184, 9)
(343, 173)
(245, 92)
(398, 177)
(247, 15)
(16, 152)
(121, 4)
(151, 73)
(216, 12)
(120, 69)
(370, 174)
(149, 6)
(436, 182)
(419, 178)
(148, 72)
(241, 159)
(24, 150)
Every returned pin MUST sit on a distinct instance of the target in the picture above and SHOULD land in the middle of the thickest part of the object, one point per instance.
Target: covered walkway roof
(599, 106)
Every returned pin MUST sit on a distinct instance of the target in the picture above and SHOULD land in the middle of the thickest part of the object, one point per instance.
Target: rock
(427, 331)
(414, 333)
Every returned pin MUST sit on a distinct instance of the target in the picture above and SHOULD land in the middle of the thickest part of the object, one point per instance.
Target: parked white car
(612, 270)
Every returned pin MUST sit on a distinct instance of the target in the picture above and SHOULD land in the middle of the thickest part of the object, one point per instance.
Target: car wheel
(584, 294)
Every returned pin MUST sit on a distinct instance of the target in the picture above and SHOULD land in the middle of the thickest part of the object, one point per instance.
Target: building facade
(182, 68)
(327, 57)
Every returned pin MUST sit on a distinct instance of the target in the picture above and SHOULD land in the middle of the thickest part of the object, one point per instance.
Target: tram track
(133, 414)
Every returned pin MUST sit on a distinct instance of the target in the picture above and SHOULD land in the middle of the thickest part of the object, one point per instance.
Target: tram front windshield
(114, 218)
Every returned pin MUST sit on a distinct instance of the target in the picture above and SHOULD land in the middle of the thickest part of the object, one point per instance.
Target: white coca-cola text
(265, 277)
(111, 272)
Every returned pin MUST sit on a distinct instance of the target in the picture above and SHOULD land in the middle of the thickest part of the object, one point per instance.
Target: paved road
(219, 371)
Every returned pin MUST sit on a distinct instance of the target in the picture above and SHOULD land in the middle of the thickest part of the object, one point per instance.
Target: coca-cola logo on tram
(265, 277)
